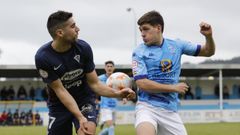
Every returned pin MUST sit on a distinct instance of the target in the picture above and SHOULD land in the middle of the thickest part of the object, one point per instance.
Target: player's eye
(73, 25)
(145, 28)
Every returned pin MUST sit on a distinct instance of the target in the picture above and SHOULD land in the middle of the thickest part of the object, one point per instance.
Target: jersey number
(51, 120)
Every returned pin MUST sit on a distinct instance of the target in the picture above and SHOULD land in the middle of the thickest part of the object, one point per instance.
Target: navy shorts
(60, 122)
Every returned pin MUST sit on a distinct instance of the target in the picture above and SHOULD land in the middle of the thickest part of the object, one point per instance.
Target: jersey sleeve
(45, 70)
(139, 69)
(189, 48)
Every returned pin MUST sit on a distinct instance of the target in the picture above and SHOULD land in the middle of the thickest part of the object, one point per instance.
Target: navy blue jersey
(70, 67)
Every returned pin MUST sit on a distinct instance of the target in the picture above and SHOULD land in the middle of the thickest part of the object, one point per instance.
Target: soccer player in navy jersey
(156, 70)
(66, 66)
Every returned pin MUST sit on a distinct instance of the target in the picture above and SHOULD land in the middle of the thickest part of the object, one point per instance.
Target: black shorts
(60, 123)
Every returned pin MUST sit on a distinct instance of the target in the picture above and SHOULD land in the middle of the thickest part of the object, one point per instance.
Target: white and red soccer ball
(119, 81)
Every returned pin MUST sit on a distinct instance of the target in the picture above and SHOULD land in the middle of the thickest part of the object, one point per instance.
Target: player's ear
(59, 32)
(159, 27)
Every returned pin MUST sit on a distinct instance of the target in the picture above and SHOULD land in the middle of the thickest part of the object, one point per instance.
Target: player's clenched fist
(205, 29)
(181, 88)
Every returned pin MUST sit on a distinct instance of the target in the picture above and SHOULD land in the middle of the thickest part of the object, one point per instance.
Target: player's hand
(126, 93)
(83, 126)
(205, 29)
(181, 88)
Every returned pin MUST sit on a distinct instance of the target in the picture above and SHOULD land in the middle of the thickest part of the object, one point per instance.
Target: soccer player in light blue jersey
(107, 104)
(156, 70)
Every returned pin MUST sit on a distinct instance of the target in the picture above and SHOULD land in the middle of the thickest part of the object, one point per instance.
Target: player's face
(70, 31)
(109, 68)
(151, 34)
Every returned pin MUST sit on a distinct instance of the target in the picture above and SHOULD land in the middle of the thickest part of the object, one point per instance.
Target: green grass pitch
(192, 129)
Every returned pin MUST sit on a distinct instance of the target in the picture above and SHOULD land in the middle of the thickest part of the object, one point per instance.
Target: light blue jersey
(107, 102)
(161, 64)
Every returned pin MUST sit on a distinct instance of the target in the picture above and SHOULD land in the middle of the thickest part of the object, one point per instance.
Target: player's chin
(75, 39)
(147, 42)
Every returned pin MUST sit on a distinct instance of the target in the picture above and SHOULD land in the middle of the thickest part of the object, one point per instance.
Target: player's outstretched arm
(69, 103)
(104, 90)
(209, 48)
(155, 87)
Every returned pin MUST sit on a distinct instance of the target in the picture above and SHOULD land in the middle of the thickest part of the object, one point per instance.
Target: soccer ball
(119, 81)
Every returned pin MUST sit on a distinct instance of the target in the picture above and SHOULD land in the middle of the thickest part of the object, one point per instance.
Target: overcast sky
(109, 28)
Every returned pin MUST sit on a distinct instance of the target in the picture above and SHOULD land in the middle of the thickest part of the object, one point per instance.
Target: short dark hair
(152, 18)
(109, 62)
(56, 20)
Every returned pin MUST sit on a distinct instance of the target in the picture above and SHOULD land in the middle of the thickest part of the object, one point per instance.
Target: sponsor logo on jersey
(168, 75)
(75, 83)
(43, 73)
(68, 76)
(72, 78)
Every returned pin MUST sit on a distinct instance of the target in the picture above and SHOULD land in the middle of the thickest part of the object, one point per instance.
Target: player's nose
(77, 29)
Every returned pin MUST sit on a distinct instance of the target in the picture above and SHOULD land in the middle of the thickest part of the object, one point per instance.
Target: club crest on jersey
(43, 73)
(77, 58)
(166, 65)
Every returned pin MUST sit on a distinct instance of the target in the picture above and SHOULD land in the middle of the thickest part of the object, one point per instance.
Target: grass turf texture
(192, 129)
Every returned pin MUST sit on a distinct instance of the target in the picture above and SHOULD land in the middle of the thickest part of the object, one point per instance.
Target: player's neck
(108, 74)
(60, 46)
(160, 41)
(157, 43)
